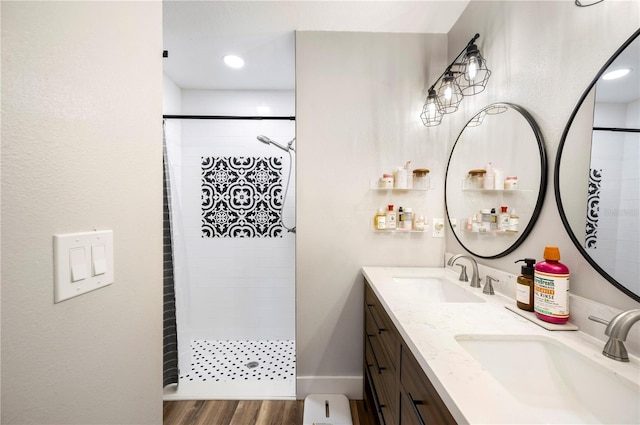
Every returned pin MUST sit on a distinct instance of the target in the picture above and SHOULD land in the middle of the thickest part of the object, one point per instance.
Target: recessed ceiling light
(233, 61)
(618, 73)
(263, 109)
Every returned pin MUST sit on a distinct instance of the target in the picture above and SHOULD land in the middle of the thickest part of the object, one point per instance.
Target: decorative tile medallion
(593, 208)
(241, 197)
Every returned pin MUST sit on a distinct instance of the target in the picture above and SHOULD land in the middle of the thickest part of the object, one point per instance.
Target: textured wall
(81, 150)
(543, 56)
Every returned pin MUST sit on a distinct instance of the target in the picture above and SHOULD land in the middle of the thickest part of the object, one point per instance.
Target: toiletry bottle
(485, 215)
(488, 178)
(493, 226)
(408, 218)
(420, 223)
(469, 225)
(498, 177)
(524, 287)
(400, 223)
(380, 220)
(401, 178)
(514, 221)
(475, 226)
(391, 218)
(551, 288)
(503, 219)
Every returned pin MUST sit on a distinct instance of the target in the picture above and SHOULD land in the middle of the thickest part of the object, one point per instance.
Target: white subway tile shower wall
(239, 288)
(618, 236)
(241, 285)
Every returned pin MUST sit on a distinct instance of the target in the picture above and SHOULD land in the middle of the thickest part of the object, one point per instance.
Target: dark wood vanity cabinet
(381, 360)
(395, 386)
(420, 402)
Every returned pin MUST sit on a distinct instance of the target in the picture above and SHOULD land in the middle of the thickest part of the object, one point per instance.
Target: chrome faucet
(488, 287)
(617, 330)
(475, 277)
(463, 273)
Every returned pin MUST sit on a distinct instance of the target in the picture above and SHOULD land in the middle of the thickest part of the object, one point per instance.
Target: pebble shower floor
(242, 361)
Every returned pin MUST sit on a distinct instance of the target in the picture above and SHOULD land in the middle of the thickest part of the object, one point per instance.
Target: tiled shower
(234, 261)
(612, 235)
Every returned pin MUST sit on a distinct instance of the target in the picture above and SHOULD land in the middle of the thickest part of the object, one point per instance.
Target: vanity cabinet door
(420, 402)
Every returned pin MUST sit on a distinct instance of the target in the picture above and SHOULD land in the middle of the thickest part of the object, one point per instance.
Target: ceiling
(626, 89)
(197, 34)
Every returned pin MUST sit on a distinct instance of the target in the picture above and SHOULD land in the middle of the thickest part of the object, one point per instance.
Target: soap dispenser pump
(524, 288)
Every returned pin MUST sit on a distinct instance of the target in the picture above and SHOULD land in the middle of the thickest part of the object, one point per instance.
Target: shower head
(268, 141)
(264, 139)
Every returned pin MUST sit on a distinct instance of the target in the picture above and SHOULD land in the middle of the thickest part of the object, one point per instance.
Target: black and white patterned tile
(241, 361)
(593, 208)
(241, 197)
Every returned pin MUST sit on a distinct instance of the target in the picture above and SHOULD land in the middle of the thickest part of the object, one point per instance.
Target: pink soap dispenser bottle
(551, 288)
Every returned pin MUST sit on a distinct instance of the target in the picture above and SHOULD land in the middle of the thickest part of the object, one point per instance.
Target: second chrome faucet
(475, 277)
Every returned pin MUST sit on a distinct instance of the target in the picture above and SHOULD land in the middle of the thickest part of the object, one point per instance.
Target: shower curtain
(170, 334)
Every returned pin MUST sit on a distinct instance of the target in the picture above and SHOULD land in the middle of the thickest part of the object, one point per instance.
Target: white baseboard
(350, 386)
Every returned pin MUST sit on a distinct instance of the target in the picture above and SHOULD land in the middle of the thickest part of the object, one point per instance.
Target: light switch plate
(438, 228)
(82, 262)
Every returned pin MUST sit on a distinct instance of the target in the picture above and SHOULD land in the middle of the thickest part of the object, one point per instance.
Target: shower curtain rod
(622, 130)
(225, 117)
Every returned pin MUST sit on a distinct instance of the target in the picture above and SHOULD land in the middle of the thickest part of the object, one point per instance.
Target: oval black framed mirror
(597, 182)
(496, 180)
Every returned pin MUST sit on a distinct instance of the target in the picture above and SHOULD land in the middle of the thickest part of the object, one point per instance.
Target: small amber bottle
(524, 287)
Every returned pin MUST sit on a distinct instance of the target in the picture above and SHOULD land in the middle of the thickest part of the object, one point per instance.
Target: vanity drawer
(384, 383)
(420, 401)
(378, 322)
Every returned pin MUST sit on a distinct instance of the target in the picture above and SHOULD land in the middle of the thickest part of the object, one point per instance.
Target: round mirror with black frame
(496, 180)
(597, 178)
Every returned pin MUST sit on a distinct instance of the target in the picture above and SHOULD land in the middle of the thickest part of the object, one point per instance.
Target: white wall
(81, 150)
(358, 98)
(358, 101)
(543, 55)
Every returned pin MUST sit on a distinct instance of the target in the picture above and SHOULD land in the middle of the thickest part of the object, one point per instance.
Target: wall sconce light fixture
(431, 114)
(467, 75)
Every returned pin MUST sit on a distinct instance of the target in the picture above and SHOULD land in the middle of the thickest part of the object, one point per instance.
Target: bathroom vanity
(390, 369)
(438, 351)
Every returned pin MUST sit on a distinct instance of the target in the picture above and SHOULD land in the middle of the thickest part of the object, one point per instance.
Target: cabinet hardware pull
(414, 404)
(380, 330)
(376, 401)
(375, 359)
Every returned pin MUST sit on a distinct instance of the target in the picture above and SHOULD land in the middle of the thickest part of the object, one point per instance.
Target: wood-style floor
(248, 412)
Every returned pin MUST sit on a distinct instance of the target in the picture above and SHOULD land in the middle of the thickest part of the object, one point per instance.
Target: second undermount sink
(561, 384)
(436, 289)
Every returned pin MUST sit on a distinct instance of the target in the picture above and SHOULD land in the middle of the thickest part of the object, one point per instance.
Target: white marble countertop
(472, 395)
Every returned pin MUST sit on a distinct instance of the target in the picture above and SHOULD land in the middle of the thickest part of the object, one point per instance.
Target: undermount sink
(560, 383)
(435, 289)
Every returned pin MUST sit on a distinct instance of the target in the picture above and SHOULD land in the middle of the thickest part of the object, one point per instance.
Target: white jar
(421, 178)
(511, 183)
(386, 182)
